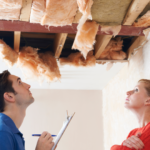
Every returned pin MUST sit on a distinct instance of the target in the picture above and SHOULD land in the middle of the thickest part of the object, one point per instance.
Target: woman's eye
(136, 90)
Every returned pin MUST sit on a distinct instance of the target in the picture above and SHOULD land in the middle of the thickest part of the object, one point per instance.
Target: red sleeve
(121, 147)
(145, 137)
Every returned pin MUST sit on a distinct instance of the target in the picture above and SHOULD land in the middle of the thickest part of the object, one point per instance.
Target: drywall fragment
(9, 55)
(37, 11)
(144, 21)
(85, 37)
(59, 13)
(77, 59)
(111, 29)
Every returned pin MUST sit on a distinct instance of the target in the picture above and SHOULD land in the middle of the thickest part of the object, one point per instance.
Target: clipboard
(62, 130)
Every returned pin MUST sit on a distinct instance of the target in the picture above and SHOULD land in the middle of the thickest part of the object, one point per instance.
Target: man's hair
(5, 86)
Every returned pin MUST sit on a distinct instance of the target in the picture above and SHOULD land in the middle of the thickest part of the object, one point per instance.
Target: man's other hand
(45, 142)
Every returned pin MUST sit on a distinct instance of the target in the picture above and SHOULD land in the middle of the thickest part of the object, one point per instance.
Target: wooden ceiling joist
(136, 43)
(30, 27)
(25, 11)
(17, 35)
(112, 61)
(59, 43)
(134, 11)
(101, 43)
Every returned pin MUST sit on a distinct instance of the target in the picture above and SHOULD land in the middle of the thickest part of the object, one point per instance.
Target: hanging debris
(85, 9)
(144, 21)
(48, 67)
(37, 11)
(9, 55)
(59, 13)
(77, 59)
(10, 9)
(85, 37)
(38, 66)
(113, 50)
(111, 29)
(28, 61)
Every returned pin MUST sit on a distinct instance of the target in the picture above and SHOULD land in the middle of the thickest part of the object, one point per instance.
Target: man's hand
(45, 142)
(134, 142)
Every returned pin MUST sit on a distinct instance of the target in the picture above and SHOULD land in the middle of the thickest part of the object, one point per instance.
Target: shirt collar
(9, 122)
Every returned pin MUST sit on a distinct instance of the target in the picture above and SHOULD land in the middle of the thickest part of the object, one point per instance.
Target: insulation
(85, 37)
(28, 61)
(111, 29)
(144, 21)
(10, 9)
(77, 59)
(113, 50)
(48, 67)
(85, 9)
(110, 12)
(59, 13)
(8, 54)
(37, 11)
(41, 65)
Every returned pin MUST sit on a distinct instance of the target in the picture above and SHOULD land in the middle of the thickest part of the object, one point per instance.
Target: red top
(145, 137)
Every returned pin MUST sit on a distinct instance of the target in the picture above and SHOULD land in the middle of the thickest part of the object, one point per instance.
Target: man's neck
(16, 115)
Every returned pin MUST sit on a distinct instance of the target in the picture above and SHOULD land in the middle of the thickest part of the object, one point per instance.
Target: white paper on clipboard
(65, 124)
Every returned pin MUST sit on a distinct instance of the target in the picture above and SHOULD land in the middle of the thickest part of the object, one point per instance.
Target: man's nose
(27, 85)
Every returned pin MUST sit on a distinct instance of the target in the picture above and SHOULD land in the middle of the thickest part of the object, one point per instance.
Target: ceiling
(93, 78)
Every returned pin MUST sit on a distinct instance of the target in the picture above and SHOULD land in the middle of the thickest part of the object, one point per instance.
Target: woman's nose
(129, 92)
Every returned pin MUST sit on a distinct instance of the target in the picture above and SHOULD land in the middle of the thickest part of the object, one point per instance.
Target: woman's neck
(143, 117)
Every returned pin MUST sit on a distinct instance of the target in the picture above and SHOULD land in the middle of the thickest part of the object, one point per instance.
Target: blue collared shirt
(10, 137)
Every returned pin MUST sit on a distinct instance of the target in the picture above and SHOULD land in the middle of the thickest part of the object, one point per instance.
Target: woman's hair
(147, 85)
(5, 86)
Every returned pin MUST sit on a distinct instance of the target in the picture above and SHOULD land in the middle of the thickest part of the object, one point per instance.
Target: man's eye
(19, 82)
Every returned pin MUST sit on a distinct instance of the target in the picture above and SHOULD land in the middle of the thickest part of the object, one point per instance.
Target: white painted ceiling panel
(92, 78)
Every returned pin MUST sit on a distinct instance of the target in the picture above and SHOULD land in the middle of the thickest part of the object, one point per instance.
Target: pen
(40, 135)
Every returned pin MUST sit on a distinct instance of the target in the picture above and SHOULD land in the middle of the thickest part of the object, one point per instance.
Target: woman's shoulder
(132, 132)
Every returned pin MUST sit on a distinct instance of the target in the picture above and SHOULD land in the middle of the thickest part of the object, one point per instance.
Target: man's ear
(9, 97)
(147, 103)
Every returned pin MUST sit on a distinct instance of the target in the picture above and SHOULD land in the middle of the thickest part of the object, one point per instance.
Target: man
(15, 97)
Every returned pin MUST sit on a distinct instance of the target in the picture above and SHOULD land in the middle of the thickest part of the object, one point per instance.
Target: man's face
(23, 96)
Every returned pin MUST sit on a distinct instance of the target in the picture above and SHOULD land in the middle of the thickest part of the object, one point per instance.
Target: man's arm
(6, 141)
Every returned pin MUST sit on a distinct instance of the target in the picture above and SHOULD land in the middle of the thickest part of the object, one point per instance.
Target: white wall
(118, 121)
(47, 113)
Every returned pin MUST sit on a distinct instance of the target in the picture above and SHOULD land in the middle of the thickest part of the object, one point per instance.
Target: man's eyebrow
(18, 79)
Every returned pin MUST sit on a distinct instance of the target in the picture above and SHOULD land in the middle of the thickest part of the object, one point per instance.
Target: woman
(138, 101)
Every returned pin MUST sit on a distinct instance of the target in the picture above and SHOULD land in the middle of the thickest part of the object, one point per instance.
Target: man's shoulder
(4, 128)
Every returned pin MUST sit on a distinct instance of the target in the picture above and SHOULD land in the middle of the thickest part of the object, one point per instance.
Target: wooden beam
(17, 35)
(136, 43)
(134, 11)
(30, 27)
(101, 43)
(38, 35)
(26, 10)
(113, 61)
(59, 43)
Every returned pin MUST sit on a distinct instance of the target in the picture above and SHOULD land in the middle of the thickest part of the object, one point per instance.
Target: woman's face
(137, 97)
